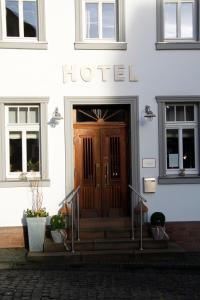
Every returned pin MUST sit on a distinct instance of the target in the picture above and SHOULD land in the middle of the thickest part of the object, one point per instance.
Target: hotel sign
(88, 73)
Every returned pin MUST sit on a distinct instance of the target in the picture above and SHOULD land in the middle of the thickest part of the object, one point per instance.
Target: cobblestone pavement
(105, 282)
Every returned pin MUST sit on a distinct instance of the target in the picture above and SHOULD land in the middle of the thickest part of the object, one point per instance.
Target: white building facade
(100, 63)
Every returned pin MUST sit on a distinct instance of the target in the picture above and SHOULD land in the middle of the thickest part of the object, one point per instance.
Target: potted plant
(57, 224)
(158, 226)
(36, 219)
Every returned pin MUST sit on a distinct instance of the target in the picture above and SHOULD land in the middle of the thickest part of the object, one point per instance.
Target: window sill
(100, 46)
(178, 46)
(23, 45)
(18, 183)
(192, 179)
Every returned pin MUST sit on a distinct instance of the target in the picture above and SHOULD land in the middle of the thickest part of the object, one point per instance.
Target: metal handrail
(75, 207)
(141, 201)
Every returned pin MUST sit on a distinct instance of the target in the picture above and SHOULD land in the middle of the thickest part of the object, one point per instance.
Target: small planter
(36, 233)
(56, 236)
(158, 226)
(57, 226)
(158, 233)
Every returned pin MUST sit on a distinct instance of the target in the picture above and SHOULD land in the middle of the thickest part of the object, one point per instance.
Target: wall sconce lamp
(56, 117)
(149, 115)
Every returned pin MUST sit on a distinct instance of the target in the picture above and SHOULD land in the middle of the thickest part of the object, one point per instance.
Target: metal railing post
(132, 217)
(141, 200)
(141, 221)
(78, 216)
(72, 206)
(75, 207)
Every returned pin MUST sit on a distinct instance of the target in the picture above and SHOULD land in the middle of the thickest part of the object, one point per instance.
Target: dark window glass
(180, 113)
(32, 143)
(189, 113)
(15, 142)
(172, 149)
(12, 18)
(114, 158)
(30, 18)
(188, 149)
(170, 113)
(88, 160)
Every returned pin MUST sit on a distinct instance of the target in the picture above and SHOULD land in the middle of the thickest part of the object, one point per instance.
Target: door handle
(106, 174)
(97, 177)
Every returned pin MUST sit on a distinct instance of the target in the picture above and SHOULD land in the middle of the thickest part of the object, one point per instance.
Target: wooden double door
(101, 169)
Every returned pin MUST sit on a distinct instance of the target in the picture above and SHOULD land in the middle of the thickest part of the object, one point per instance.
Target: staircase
(107, 239)
(103, 239)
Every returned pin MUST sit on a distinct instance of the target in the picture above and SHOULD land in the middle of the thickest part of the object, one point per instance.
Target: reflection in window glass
(32, 144)
(12, 18)
(170, 113)
(92, 30)
(188, 149)
(180, 113)
(23, 114)
(33, 115)
(15, 147)
(189, 113)
(170, 15)
(172, 149)
(13, 115)
(186, 20)
(30, 18)
(108, 20)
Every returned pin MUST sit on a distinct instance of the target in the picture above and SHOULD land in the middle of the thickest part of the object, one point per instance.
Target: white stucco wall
(39, 73)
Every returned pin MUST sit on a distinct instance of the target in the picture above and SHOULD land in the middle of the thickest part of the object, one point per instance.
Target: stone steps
(105, 244)
(110, 232)
(105, 238)
(122, 222)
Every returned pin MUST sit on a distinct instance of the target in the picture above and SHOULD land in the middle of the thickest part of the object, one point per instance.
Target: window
(178, 139)
(100, 24)
(22, 24)
(178, 24)
(22, 140)
(181, 139)
(23, 146)
(99, 20)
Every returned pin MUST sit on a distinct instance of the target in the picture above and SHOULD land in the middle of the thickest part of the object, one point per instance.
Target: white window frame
(23, 128)
(21, 23)
(178, 19)
(178, 43)
(83, 43)
(42, 102)
(180, 126)
(21, 42)
(100, 17)
(192, 176)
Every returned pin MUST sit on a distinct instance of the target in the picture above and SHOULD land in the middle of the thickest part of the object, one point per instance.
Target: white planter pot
(56, 236)
(159, 233)
(36, 233)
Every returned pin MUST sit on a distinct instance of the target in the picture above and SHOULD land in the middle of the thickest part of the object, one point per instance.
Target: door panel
(100, 169)
(114, 179)
(87, 168)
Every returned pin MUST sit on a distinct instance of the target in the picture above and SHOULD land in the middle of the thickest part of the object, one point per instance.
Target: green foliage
(157, 219)
(33, 166)
(29, 213)
(57, 222)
